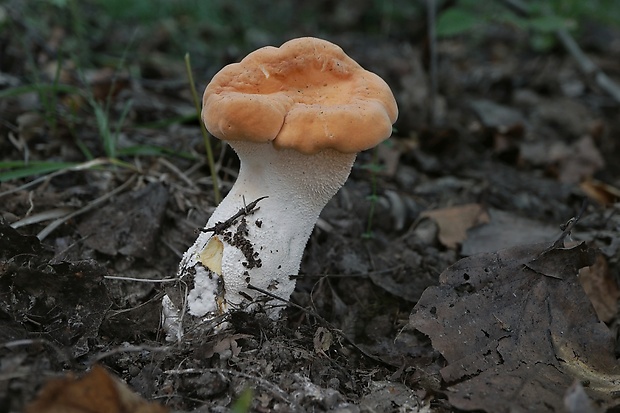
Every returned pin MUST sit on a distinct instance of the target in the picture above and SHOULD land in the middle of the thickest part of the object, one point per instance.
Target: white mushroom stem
(269, 250)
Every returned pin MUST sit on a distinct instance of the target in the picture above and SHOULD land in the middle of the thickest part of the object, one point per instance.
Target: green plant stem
(205, 134)
(373, 197)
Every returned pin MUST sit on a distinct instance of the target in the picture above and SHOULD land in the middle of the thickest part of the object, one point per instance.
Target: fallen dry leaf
(571, 163)
(516, 330)
(453, 222)
(580, 162)
(494, 115)
(95, 392)
(601, 288)
(323, 339)
(504, 230)
(601, 192)
(226, 346)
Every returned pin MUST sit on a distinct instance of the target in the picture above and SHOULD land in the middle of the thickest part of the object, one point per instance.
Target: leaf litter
(516, 330)
(511, 140)
(55, 298)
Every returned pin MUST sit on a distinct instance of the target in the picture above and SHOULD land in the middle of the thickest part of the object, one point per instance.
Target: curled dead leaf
(601, 192)
(96, 392)
(226, 346)
(323, 339)
(453, 222)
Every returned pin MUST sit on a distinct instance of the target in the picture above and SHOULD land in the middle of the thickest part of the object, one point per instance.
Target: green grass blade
(21, 169)
(22, 90)
(103, 126)
(121, 120)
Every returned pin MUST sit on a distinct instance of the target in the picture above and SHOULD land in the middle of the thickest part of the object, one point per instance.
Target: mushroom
(296, 116)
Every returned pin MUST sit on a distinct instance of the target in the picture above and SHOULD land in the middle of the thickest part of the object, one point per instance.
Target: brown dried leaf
(453, 222)
(581, 162)
(506, 230)
(601, 287)
(516, 331)
(323, 339)
(96, 392)
(601, 192)
(572, 163)
(226, 346)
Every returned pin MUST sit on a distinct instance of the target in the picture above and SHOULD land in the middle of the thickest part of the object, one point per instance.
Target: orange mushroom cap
(306, 95)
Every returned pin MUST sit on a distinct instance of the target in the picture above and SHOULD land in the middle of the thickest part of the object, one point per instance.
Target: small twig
(267, 385)
(31, 202)
(177, 172)
(62, 352)
(55, 224)
(248, 209)
(143, 280)
(82, 166)
(155, 299)
(567, 228)
(41, 217)
(292, 304)
(126, 349)
(323, 321)
(586, 65)
(171, 247)
(517, 7)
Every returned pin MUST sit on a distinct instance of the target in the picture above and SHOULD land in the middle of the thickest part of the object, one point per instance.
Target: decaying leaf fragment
(96, 392)
(517, 329)
(600, 285)
(453, 222)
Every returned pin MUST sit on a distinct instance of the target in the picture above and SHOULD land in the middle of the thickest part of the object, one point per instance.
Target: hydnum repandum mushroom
(296, 116)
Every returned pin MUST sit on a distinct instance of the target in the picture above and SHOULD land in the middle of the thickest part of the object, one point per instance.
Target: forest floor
(509, 193)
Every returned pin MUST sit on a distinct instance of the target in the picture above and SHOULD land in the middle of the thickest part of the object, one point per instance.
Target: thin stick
(586, 65)
(266, 384)
(127, 349)
(55, 224)
(322, 321)
(79, 167)
(249, 209)
(141, 280)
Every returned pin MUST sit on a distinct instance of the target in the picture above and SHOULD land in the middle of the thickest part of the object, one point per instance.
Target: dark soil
(523, 138)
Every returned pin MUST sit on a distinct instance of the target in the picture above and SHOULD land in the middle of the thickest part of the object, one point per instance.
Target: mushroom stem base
(262, 246)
